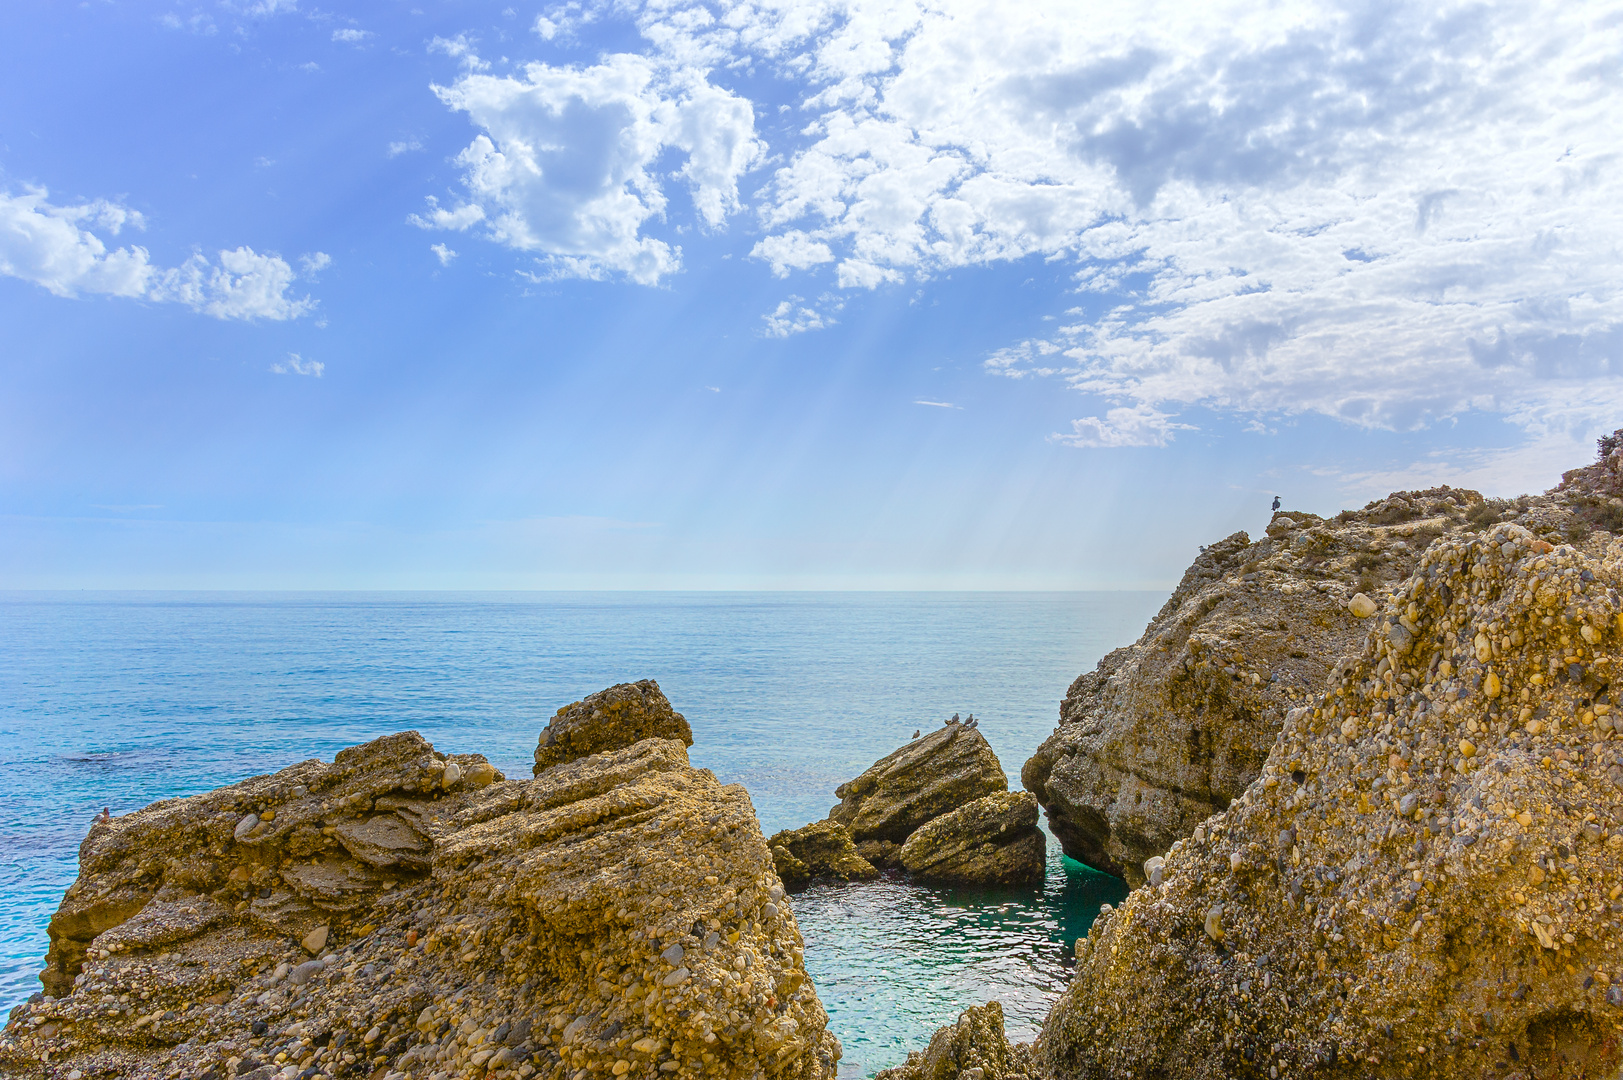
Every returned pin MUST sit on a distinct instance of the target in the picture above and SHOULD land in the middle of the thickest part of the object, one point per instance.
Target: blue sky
(805, 295)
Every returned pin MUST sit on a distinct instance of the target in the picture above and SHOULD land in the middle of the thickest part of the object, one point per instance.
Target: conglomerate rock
(821, 851)
(610, 719)
(991, 841)
(1427, 876)
(974, 1048)
(922, 780)
(403, 913)
(1169, 730)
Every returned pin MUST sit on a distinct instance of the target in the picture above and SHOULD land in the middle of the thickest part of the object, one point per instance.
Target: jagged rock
(924, 779)
(610, 719)
(1426, 877)
(974, 1048)
(822, 850)
(1168, 730)
(991, 841)
(620, 908)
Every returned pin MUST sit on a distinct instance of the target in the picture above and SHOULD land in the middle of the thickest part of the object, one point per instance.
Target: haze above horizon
(770, 295)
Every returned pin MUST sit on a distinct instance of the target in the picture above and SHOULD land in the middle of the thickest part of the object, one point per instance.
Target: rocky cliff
(1425, 879)
(400, 912)
(1171, 729)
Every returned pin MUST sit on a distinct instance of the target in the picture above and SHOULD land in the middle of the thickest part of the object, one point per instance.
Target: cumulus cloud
(442, 253)
(54, 247)
(1388, 214)
(350, 36)
(564, 165)
(791, 316)
(404, 146)
(298, 365)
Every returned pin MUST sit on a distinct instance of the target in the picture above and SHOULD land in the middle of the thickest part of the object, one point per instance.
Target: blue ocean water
(118, 699)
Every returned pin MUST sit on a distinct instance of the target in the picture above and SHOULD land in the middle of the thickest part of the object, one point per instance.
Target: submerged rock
(1427, 876)
(610, 719)
(617, 916)
(1169, 730)
(974, 1048)
(820, 851)
(924, 779)
(991, 841)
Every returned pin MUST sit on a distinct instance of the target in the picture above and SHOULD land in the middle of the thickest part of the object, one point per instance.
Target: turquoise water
(117, 699)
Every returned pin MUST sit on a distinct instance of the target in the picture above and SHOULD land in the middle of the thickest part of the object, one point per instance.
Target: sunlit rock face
(404, 912)
(1426, 876)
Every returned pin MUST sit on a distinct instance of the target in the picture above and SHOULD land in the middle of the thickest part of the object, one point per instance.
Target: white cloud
(297, 365)
(793, 250)
(940, 404)
(1389, 215)
(350, 36)
(443, 253)
(1139, 425)
(791, 316)
(52, 246)
(314, 263)
(461, 48)
(404, 146)
(564, 162)
(242, 285)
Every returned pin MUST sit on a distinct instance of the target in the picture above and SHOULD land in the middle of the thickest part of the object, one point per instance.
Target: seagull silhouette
(1276, 502)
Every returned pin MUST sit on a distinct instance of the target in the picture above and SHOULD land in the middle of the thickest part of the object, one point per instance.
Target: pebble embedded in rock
(1361, 606)
(673, 955)
(245, 826)
(453, 773)
(1214, 922)
(315, 940)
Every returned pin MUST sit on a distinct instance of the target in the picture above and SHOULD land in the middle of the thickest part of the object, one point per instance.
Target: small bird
(1276, 502)
(105, 816)
(915, 733)
(954, 719)
(972, 722)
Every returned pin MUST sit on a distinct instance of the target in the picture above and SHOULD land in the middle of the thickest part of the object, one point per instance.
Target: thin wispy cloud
(297, 365)
(939, 404)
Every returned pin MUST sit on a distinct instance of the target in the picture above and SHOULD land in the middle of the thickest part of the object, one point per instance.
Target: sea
(117, 699)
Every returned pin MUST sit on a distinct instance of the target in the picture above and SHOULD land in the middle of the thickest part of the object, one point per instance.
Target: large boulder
(991, 841)
(610, 719)
(974, 1048)
(401, 912)
(931, 775)
(1168, 731)
(1427, 876)
(821, 851)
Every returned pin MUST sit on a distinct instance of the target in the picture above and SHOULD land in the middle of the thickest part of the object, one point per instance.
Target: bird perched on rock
(954, 719)
(915, 733)
(105, 816)
(971, 722)
(1276, 502)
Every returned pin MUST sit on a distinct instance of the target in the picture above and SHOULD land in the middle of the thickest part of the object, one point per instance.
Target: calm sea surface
(117, 699)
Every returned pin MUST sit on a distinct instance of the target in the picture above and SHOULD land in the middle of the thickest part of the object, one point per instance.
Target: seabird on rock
(1276, 502)
(971, 722)
(954, 719)
(915, 733)
(104, 817)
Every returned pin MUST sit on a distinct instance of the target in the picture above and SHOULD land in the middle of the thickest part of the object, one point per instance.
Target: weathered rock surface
(1427, 876)
(403, 913)
(974, 1048)
(991, 841)
(922, 780)
(821, 851)
(611, 719)
(1169, 730)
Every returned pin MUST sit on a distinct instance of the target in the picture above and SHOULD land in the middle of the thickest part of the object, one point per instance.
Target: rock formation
(399, 912)
(610, 719)
(974, 1048)
(991, 841)
(1427, 876)
(821, 851)
(1169, 730)
(924, 779)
